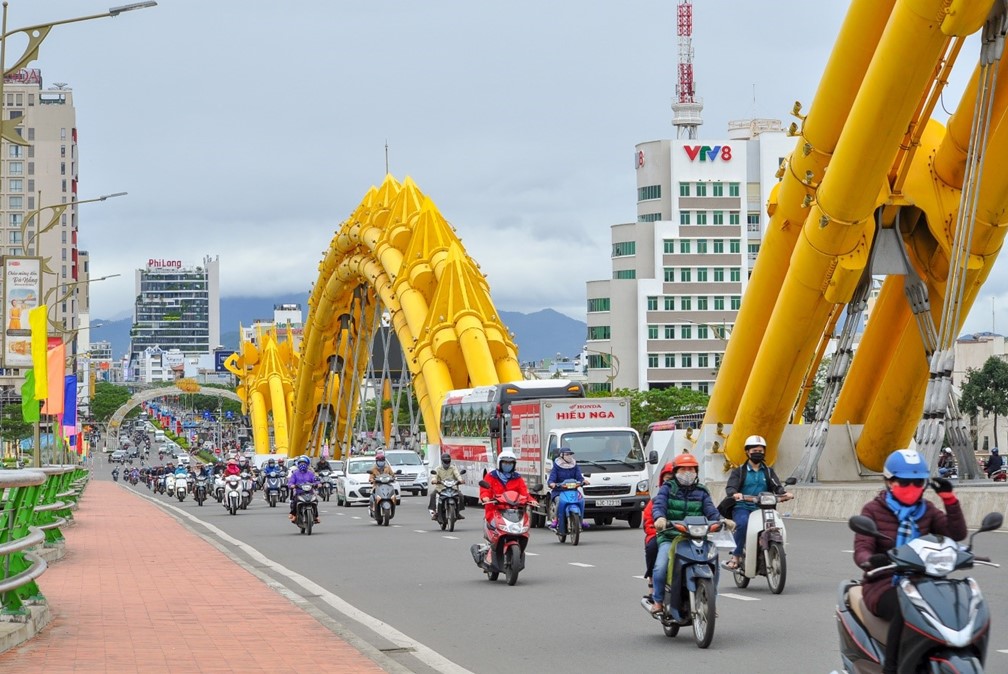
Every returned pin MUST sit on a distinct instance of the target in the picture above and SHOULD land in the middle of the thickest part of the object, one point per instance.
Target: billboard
(22, 290)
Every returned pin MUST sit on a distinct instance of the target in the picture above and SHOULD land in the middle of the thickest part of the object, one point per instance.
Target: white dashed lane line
(740, 597)
(582, 565)
(451, 538)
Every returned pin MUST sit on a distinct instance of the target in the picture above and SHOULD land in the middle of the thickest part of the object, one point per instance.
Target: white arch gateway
(112, 427)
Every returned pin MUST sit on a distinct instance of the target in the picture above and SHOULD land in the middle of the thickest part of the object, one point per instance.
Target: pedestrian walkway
(137, 591)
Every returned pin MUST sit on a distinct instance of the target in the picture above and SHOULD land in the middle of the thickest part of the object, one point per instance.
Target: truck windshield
(606, 447)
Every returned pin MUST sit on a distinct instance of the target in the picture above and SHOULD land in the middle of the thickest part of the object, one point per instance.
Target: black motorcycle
(200, 490)
(306, 508)
(947, 623)
(115, 475)
(447, 503)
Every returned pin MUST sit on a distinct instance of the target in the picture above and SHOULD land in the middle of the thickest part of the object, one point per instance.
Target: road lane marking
(425, 654)
(849, 552)
(420, 531)
(396, 526)
(639, 577)
(740, 597)
(451, 538)
(356, 517)
(532, 554)
(1003, 650)
(582, 565)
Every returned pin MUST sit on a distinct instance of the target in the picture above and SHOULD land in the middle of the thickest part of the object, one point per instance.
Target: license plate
(607, 502)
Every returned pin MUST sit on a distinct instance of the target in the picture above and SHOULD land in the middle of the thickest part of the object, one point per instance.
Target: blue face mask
(507, 467)
(380, 464)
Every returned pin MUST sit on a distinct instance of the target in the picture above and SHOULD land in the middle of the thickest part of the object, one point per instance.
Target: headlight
(642, 486)
(940, 562)
(767, 499)
(697, 530)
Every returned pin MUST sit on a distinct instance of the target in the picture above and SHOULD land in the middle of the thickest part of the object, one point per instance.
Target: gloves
(660, 524)
(943, 488)
(729, 525)
(875, 561)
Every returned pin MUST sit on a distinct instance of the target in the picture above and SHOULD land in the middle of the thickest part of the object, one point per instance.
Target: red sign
(640, 158)
(25, 76)
(708, 153)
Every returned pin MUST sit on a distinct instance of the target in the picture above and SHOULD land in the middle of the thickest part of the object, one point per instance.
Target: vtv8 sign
(708, 153)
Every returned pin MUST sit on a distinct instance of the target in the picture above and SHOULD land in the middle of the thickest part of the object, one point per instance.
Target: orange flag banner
(38, 322)
(56, 366)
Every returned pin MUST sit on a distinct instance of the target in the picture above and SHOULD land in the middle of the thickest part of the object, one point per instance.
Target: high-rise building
(680, 272)
(176, 308)
(37, 175)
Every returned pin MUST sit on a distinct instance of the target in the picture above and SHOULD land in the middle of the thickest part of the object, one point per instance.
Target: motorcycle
(115, 475)
(383, 503)
(246, 485)
(999, 475)
(506, 535)
(693, 568)
(446, 503)
(306, 508)
(948, 619)
(181, 487)
(272, 490)
(325, 488)
(767, 537)
(169, 483)
(200, 490)
(233, 496)
(218, 488)
(568, 509)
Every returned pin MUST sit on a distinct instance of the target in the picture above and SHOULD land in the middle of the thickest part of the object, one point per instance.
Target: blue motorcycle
(569, 504)
(272, 488)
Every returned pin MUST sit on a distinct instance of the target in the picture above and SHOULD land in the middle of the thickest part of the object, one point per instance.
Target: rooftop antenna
(686, 109)
(386, 156)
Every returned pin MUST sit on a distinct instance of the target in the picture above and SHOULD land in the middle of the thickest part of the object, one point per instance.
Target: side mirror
(398, 472)
(484, 484)
(790, 481)
(462, 472)
(866, 526)
(652, 457)
(433, 472)
(991, 521)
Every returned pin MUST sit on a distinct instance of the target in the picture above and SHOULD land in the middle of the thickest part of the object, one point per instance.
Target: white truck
(607, 449)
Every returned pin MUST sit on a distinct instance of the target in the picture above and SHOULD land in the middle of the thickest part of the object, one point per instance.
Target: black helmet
(446, 458)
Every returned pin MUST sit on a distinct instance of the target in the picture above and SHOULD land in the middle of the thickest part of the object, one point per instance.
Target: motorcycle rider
(749, 479)
(115, 474)
(680, 496)
(505, 478)
(994, 463)
(271, 469)
(650, 533)
(564, 468)
(231, 468)
(901, 513)
(946, 462)
(301, 474)
(323, 463)
(446, 471)
(380, 467)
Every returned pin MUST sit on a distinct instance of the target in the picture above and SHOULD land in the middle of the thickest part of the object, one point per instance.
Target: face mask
(380, 464)
(446, 463)
(685, 478)
(907, 495)
(757, 457)
(507, 467)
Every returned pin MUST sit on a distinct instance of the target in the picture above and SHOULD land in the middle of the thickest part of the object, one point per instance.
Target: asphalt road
(573, 609)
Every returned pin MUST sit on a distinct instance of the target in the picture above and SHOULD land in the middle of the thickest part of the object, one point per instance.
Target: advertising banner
(22, 291)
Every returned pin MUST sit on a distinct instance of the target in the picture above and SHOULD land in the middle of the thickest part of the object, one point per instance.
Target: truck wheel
(634, 520)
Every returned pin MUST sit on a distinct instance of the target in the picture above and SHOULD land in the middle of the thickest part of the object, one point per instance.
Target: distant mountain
(539, 336)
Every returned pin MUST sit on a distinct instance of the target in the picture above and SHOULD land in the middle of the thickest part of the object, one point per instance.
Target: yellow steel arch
(395, 255)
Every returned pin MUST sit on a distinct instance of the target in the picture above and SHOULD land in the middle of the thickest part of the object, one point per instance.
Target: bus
(476, 422)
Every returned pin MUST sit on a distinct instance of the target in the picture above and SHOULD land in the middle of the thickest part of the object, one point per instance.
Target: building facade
(176, 308)
(679, 273)
(971, 352)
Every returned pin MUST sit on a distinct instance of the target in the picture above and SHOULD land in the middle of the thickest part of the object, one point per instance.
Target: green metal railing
(20, 491)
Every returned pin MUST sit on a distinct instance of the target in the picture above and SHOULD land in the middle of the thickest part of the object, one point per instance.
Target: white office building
(679, 273)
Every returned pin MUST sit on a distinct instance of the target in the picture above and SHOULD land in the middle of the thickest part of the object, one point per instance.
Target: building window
(64, 185)
(669, 246)
(684, 275)
(648, 192)
(718, 303)
(684, 217)
(701, 189)
(62, 150)
(652, 303)
(14, 151)
(734, 246)
(62, 134)
(31, 133)
(733, 189)
(685, 360)
(704, 387)
(701, 217)
(652, 332)
(15, 185)
(686, 331)
(701, 332)
(670, 360)
(718, 246)
(652, 360)
(62, 168)
(15, 219)
(734, 217)
(16, 203)
(752, 219)
(670, 303)
(624, 248)
(649, 217)
(701, 246)
(684, 303)
(717, 360)
(625, 274)
(669, 274)
(735, 275)
(717, 189)
(598, 332)
(718, 217)
(684, 246)
(736, 302)
(669, 332)
(15, 237)
(701, 274)
(701, 360)
(598, 304)
(701, 303)
(16, 168)
(718, 274)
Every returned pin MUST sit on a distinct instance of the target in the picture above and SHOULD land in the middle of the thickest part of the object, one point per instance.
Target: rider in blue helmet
(300, 475)
(902, 514)
(994, 463)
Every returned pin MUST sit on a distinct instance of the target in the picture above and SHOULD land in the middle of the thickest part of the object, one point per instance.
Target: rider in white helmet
(505, 478)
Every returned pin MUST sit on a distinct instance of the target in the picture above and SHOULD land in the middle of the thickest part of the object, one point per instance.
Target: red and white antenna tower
(686, 109)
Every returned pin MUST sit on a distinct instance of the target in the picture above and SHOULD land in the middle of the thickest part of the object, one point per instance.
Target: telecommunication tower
(686, 109)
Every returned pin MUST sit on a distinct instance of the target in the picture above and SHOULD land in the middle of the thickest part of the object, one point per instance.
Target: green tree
(107, 399)
(818, 386)
(986, 390)
(13, 427)
(658, 404)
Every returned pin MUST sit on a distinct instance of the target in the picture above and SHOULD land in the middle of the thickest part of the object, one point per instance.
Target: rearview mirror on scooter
(866, 526)
(484, 484)
(790, 481)
(462, 472)
(990, 522)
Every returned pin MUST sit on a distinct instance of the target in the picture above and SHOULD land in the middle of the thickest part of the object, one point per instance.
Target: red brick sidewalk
(139, 592)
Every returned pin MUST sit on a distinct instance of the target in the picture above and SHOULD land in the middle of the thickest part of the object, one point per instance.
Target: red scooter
(507, 535)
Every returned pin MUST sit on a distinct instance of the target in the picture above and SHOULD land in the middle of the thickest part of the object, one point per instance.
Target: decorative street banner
(22, 290)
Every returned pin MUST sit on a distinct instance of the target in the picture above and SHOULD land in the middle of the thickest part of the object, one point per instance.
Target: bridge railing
(20, 491)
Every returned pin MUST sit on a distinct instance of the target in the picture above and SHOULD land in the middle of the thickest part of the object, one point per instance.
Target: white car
(352, 482)
(411, 472)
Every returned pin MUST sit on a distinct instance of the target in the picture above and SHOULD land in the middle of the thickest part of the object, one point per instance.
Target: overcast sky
(250, 130)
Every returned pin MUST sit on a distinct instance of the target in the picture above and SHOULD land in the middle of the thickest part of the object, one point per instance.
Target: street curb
(13, 634)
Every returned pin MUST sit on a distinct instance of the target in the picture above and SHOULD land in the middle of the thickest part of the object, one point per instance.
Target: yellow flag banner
(57, 364)
(37, 321)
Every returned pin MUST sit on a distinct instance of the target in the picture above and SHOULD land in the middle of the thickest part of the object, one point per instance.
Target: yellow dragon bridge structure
(394, 260)
(876, 188)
